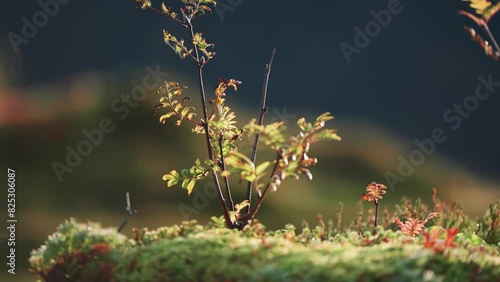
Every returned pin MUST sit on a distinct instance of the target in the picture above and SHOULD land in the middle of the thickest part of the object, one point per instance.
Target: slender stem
(130, 213)
(260, 198)
(226, 179)
(376, 216)
(163, 14)
(200, 63)
(492, 38)
(263, 110)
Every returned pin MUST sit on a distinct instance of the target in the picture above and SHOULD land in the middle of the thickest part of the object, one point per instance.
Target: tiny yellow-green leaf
(190, 185)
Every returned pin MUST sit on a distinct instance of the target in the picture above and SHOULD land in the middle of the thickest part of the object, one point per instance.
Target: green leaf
(164, 8)
(171, 175)
(172, 182)
(203, 45)
(491, 11)
(324, 117)
(190, 185)
(302, 124)
(144, 3)
(172, 178)
(184, 183)
(163, 118)
(326, 135)
(262, 167)
(203, 9)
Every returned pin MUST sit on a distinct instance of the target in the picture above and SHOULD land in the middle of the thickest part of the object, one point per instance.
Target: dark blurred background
(78, 64)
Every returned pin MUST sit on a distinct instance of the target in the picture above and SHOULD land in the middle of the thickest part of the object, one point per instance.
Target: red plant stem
(263, 110)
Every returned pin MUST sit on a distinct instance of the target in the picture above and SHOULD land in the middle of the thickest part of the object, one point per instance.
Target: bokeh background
(65, 79)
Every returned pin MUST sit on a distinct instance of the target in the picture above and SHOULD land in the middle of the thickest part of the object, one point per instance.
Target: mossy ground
(192, 252)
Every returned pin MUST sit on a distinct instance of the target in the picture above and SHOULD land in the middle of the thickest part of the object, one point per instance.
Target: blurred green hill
(36, 125)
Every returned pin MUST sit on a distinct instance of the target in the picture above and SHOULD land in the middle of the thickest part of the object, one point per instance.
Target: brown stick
(263, 110)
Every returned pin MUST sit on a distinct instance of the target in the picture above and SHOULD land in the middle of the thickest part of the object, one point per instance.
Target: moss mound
(192, 252)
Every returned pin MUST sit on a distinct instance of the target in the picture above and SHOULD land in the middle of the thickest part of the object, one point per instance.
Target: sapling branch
(226, 178)
(200, 64)
(249, 216)
(183, 117)
(221, 133)
(263, 110)
(166, 15)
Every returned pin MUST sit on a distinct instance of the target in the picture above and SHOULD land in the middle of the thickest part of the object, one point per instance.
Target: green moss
(191, 252)
(78, 252)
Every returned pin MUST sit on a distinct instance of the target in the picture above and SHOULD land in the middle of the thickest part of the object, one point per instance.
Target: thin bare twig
(130, 213)
(263, 110)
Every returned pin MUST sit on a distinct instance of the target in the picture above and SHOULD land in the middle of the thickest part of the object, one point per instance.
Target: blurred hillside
(38, 123)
